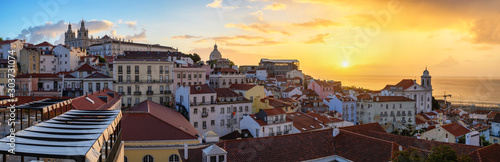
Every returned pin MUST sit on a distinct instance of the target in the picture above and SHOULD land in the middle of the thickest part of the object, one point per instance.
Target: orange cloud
(263, 28)
(185, 37)
(315, 23)
(275, 6)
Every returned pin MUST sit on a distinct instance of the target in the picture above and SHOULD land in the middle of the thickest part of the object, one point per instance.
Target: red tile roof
(201, 89)
(324, 118)
(244, 87)
(456, 129)
(363, 128)
(98, 75)
(359, 147)
(304, 122)
(225, 92)
(293, 147)
(160, 123)
(37, 75)
(497, 118)
(44, 44)
(364, 97)
(274, 111)
(69, 76)
(391, 99)
(419, 121)
(488, 153)
(289, 89)
(86, 67)
(224, 70)
(8, 41)
(82, 103)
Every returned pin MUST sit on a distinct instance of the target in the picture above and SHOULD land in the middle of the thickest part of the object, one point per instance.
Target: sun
(345, 64)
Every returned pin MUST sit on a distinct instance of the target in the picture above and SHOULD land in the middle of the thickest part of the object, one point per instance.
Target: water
(483, 89)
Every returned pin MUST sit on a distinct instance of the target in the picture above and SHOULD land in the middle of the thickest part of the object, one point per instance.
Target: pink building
(187, 74)
(322, 88)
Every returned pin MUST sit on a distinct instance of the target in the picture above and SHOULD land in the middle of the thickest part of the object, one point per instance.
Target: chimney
(185, 151)
(336, 132)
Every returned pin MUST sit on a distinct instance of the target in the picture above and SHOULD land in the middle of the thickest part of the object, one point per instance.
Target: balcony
(286, 132)
(204, 114)
(398, 115)
(279, 133)
(137, 93)
(120, 72)
(149, 92)
(392, 115)
(121, 93)
(167, 92)
(271, 134)
(403, 115)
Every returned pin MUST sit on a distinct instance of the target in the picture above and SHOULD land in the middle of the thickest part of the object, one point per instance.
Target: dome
(426, 72)
(215, 55)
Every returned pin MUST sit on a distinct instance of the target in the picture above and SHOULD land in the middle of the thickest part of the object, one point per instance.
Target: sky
(330, 38)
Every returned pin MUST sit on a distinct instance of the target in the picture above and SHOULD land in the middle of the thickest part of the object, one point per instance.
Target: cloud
(131, 24)
(448, 62)
(482, 48)
(215, 4)
(137, 36)
(185, 37)
(49, 30)
(259, 14)
(316, 23)
(320, 38)
(241, 40)
(485, 31)
(275, 6)
(263, 28)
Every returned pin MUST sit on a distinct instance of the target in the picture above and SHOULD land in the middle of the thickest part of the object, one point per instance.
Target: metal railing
(149, 92)
(204, 114)
(137, 93)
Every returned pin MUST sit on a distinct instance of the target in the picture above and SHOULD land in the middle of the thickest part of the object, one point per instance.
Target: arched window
(148, 158)
(173, 158)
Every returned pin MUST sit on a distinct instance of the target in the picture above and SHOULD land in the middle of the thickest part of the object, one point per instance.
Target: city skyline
(330, 38)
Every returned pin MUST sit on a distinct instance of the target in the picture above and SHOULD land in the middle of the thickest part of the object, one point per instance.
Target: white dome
(215, 55)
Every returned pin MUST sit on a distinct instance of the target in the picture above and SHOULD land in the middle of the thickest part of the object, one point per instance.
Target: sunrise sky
(329, 37)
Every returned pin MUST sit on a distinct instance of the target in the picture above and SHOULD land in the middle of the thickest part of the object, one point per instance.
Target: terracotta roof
(225, 92)
(419, 121)
(423, 116)
(406, 83)
(359, 147)
(26, 99)
(8, 41)
(391, 99)
(364, 97)
(38, 75)
(304, 122)
(324, 118)
(363, 128)
(323, 83)
(497, 118)
(44, 44)
(83, 103)
(289, 89)
(244, 87)
(160, 123)
(98, 75)
(86, 67)
(201, 89)
(69, 76)
(293, 147)
(488, 153)
(455, 129)
(274, 111)
(224, 70)
(236, 134)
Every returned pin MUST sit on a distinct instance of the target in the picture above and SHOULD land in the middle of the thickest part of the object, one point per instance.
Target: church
(421, 93)
(107, 46)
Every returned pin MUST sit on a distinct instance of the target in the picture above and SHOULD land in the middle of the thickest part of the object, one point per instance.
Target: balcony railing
(137, 93)
(392, 115)
(204, 114)
(285, 132)
(271, 134)
(279, 133)
(149, 92)
(167, 91)
(153, 81)
(121, 93)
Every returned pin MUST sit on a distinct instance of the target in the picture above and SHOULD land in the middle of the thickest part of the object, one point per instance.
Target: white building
(187, 74)
(68, 57)
(7, 45)
(48, 63)
(392, 112)
(294, 74)
(345, 105)
(85, 80)
(267, 122)
(421, 93)
(261, 74)
(290, 91)
(224, 77)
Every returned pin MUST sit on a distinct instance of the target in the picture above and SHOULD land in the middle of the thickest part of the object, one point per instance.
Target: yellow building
(251, 92)
(29, 60)
(152, 132)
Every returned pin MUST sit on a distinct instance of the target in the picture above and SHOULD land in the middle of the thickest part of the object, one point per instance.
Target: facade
(11, 45)
(290, 91)
(167, 132)
(393, 112)
(251, 92)
(224, 77)
(279, 67)
(48, 85)
(29, 59)
(421, 93)
(143, 79)
(185, 74)
(112, 47)
(69, 57)
(451, 133)
(261, 74)
(219, 110)
(48, 63)
(294, 74)
(267, 122)
(322, 88)
(495, 129)
(345, 105)
(4, 76)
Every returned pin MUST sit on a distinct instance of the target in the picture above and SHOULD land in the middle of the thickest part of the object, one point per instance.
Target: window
(161, 69)
(195, 111)
(222, 110)
(148, 158)
(90, 87)
(212, 109)
(149, 69)
(204, 124)
(120, 79)
(241, 108)
(195, 124)
(173, 158)
(213, 158)
(212, 122)
(136, 78)
(222, 122)
(128, 69)
(137, 69)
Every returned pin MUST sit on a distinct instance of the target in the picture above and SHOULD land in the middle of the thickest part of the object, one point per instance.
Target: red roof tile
(359, 147)
(289, 89)
(304, 122)
(98, 75)
(201, 89)
(324, 118)
(44, 44)
(363, 128)
(293, 147)
(488, 153)
(406, 83)
(82, 103)
(8, 41)
(455, 129)
(86, 67)
(497, 118)
(38, 75)
(244, 87)
(226, 92)
(160, 123)
(274, 111)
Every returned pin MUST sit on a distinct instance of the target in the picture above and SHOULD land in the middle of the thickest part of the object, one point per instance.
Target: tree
(442, 153)
(1, 39)
(102, 59)
(195, 57)
(461, 140)
(231, 64)
(408, 155)
(435, 104)
(483, 140)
